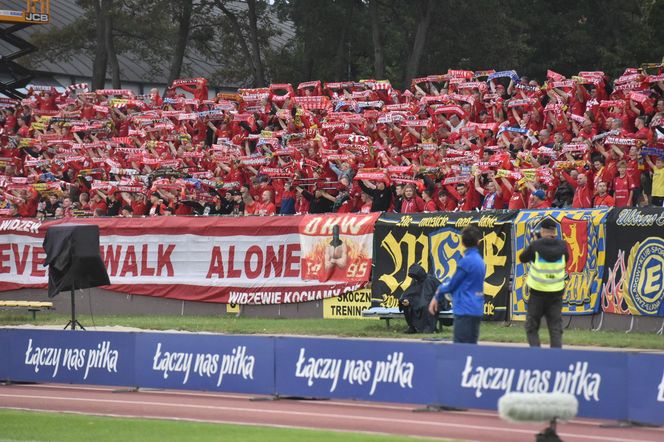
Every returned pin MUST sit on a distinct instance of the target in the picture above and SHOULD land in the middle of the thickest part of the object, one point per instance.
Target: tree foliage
(350, 39)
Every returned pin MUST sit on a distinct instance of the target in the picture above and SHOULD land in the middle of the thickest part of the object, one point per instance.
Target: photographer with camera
(548, 257)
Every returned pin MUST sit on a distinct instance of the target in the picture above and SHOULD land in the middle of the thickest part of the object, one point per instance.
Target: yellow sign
(35, 12)
(347, 306)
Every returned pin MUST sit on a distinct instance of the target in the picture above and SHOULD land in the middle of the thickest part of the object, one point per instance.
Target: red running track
(394, 419)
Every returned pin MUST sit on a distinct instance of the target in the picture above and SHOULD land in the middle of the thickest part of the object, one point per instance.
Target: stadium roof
(132, 68)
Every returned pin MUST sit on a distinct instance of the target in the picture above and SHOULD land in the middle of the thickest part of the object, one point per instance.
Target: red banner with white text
(251, 260)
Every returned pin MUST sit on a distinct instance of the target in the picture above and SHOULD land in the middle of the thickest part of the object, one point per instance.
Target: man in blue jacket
(467, 289)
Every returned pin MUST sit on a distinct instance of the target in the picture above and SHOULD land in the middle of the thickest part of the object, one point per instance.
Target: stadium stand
(464, 140)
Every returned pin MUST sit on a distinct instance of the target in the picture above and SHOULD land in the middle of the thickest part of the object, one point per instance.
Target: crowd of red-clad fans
(460, 141)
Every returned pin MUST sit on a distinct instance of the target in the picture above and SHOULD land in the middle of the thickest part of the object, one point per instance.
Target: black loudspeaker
(72, 254)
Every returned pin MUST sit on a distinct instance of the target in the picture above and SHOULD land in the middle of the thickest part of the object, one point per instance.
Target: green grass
(490, 332)
(37, 426)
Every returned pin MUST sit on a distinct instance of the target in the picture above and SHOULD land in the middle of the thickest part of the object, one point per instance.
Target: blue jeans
(467, 329)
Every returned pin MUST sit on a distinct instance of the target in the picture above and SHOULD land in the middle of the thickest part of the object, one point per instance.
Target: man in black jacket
(548, 257)
(317, 202)
(381, 194)
(414, 302)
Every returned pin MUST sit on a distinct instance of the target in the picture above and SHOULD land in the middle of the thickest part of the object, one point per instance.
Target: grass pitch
(357, 328)
(38, 426)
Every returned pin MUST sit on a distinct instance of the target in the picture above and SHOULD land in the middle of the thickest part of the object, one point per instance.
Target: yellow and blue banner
(584, 231)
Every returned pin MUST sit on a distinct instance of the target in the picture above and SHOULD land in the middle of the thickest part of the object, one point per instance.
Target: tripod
(73, 321)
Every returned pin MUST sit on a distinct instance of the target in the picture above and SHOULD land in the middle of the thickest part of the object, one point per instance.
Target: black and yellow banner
(434, 241)
(634, 280)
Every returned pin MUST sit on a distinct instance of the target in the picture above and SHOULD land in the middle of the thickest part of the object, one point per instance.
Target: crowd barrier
(608, 384)
(616, 265)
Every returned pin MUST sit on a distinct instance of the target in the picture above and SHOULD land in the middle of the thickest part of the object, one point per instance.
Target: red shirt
(604, 201)
(467, 202)
(582, 194)
(413, 205)
(446, 206)
(250, 209)
(137, 208)
(98, 205)
(430, 206)
(634, 169)
(541, 205)
(301, 205)
(265, 208)
(88, 112)
(582, 197)
(182, 209)
(24, 131)
(621, 188)
(28, 209)
(517, 201)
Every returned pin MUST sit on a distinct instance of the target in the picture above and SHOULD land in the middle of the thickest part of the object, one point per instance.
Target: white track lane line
(330, 402)
(309, 414)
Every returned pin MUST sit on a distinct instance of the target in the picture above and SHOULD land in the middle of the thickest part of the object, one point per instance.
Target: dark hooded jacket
(414, 301)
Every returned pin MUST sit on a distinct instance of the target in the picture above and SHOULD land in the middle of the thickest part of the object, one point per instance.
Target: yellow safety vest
(546, 276)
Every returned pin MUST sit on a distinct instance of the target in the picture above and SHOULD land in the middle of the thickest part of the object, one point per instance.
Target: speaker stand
(73, 322)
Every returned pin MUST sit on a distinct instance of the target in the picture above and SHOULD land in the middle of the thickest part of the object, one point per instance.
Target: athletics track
(396, 419)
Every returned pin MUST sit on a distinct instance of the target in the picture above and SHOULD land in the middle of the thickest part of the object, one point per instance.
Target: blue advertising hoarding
(646, 388)
(607, 384)
(356, 369)
(4, 354)
(71, 357)
(242, 364)
(477, 376)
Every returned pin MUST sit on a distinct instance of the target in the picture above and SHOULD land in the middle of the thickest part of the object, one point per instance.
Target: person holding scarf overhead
(492, 193)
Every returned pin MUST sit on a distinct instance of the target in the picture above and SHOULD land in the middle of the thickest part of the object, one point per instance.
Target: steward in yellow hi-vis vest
(548, 257)
(546, 276)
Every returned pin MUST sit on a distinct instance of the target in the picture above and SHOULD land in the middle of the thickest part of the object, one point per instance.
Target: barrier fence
(608, 385)
(617, 257)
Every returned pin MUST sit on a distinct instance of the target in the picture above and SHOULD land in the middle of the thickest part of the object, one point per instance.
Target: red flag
(575, 234)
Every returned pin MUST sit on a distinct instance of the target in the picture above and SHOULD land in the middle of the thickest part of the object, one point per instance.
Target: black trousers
(467, 329)
(549, 305)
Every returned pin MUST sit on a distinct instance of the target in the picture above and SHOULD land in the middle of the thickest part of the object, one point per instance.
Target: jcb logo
(41, 18)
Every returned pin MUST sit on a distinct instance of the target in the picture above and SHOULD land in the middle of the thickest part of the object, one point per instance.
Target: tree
(100, 57)
(252, 58)
(183, 17)
(259, 77)
(418, 44)
(111, 55)
(379, 63)
(340, 39)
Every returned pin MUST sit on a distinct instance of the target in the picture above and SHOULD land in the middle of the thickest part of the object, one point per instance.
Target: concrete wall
(104, 302)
